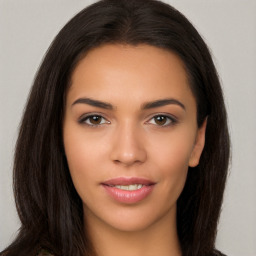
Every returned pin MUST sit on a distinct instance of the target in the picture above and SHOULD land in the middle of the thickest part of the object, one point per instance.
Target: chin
(135, 218)
(131, 225)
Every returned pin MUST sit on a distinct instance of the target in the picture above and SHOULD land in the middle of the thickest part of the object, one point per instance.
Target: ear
(198, 146)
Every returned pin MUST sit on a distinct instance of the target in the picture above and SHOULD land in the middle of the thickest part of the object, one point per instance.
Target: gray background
(229, 27)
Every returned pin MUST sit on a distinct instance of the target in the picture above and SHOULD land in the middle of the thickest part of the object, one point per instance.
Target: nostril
(127, 150)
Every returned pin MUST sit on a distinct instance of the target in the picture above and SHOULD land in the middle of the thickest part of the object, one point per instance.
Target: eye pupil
(95, 119)
(161, 120)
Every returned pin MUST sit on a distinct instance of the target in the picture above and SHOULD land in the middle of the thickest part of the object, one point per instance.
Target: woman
(124, 146)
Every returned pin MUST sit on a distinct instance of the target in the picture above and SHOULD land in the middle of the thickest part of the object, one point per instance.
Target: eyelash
(171, 120)
(87, 117)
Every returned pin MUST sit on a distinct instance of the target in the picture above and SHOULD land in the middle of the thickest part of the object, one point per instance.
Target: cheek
(171, 158)
(82, 159)
(173, 152)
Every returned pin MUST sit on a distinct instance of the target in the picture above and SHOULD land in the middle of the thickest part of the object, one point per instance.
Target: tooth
(129, 187)
(133, 187)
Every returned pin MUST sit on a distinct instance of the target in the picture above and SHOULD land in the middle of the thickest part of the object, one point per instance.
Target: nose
(128, 146)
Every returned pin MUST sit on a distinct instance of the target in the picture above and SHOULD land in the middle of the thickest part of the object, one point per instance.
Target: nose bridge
(128, 147)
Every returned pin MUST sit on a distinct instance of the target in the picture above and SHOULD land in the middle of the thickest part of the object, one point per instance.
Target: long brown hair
(48, 205)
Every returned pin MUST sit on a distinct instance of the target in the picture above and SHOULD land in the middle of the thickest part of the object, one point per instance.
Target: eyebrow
(147, 105)
(163, 102)
(95, 103)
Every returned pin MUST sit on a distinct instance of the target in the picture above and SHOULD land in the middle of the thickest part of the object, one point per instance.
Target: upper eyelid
(172, 120)
(83, 118)
(163, 114)
(85, 115)
(168, 115)
(149, 116)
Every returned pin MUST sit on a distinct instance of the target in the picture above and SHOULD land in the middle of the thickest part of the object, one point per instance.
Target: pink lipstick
(128, 190)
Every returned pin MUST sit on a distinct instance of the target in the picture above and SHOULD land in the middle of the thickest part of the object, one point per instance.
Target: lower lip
(126, 196)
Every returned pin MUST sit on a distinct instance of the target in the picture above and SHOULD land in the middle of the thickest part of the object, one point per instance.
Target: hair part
(48, 205)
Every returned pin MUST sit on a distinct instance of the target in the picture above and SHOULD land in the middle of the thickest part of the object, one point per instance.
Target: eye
(162, 120)
(94, 120)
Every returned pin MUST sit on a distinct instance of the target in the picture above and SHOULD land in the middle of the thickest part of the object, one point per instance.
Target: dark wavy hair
(48, 205)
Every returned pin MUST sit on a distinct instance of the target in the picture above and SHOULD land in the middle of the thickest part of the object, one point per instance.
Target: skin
(129, 141)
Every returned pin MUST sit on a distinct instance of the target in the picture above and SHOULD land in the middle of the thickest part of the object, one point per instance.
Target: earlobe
(198, 146)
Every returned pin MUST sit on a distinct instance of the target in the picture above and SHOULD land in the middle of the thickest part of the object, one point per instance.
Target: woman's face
(130, 134)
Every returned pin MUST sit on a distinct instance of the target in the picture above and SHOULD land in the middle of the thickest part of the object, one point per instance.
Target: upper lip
(128, 181)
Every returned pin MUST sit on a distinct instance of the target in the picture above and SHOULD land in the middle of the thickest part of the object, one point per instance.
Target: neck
(158, 239)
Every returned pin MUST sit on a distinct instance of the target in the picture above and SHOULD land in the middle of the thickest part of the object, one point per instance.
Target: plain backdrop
(27, 27)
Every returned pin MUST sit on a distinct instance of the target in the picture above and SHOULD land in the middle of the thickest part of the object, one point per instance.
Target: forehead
(139, 72)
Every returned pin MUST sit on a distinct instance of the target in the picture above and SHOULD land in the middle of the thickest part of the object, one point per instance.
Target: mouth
(128, 190)
(127, 181)
(131, 187)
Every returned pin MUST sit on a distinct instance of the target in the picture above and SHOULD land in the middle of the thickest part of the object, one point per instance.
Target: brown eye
(94, 120)
(162, 120)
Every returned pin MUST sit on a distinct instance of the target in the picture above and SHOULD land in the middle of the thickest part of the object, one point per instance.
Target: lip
(128, 181)
(126, 196)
